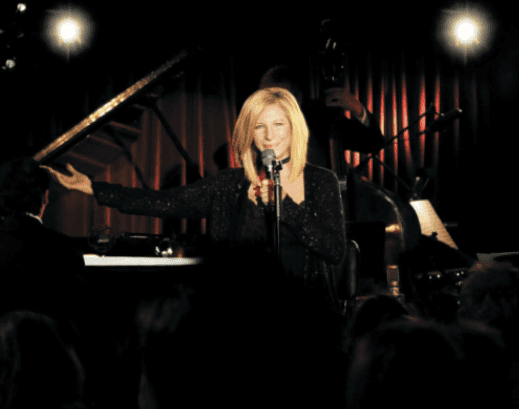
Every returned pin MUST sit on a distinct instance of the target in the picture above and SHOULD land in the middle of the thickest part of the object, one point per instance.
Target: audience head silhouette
(490, 295)
(408, 364)
(37, 369)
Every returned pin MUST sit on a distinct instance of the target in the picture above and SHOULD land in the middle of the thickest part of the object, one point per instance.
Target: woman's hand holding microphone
(265, 190)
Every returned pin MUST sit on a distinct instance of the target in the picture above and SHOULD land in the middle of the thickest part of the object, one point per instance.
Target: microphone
(268, 158)
(444, 119)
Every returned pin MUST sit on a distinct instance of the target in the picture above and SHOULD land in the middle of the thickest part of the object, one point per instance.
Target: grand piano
(82, 144)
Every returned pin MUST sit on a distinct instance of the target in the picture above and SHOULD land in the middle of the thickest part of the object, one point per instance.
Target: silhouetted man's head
(23, 187)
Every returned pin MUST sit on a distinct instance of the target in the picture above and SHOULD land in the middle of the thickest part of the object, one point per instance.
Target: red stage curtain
(399, 92)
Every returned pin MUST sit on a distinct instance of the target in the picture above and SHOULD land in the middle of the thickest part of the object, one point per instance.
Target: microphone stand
(389, 142)
(277, 205)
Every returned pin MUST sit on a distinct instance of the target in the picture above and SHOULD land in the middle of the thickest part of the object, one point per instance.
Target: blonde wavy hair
(243, 141)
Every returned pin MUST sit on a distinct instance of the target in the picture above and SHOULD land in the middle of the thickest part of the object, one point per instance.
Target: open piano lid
(172, 68)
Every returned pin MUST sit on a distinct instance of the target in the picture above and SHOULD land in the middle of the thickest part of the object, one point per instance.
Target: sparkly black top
(314, 229)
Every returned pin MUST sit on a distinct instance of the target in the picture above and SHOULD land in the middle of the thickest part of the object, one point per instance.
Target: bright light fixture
(68, 31)
(465, 30)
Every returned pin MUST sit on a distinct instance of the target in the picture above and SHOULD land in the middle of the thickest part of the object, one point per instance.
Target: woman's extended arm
(191, 201)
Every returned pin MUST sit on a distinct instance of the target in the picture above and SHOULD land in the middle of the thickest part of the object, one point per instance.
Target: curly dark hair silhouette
(22, 186)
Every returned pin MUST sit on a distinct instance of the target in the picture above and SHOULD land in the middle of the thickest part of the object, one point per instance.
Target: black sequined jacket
(317, 223)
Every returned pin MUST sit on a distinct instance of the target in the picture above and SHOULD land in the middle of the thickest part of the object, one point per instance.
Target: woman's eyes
(260, 126)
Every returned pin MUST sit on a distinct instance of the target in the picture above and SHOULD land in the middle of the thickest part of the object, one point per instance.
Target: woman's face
(273, 130)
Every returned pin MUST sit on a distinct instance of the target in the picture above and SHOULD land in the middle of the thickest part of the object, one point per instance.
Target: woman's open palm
(77, 181)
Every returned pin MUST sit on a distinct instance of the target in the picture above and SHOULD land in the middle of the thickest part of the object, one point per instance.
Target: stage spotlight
(21, 7)
(12, 37)
(9, 65)
(68, 31)
(465, 31)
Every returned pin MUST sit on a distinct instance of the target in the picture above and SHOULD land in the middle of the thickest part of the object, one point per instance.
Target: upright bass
(380, 226)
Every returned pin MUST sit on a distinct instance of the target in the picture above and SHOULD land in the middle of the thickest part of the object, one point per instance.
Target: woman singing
(238, 202)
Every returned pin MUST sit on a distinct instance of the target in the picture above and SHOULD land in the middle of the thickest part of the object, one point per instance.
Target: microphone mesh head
(268, 156)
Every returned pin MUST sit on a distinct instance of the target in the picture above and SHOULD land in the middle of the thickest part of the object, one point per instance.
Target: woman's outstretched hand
(78, 181)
